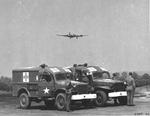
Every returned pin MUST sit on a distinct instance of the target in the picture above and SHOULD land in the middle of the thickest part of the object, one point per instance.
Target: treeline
(5, 83)
(141, 80)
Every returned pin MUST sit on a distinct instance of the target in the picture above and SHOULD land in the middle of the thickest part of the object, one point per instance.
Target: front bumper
(83, 96)
(117, 94)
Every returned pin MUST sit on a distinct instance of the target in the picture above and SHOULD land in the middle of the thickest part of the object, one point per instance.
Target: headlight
(125, 83)
(92, 88)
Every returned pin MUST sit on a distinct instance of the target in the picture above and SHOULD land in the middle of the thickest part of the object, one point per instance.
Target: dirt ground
(9, 107)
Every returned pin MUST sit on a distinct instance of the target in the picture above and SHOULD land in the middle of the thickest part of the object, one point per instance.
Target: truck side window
(77, 75)
(46, 78)
(85, 79)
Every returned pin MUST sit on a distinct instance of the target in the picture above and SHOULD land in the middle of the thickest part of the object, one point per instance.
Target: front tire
(24, 101)
(60, 101)
(101, 98)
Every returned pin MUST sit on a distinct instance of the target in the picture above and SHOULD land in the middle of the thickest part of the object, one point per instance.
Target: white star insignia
(46, 90)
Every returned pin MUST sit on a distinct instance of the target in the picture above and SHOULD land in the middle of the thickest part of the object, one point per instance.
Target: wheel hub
(23, 100)
(61, 101)
(99, 99)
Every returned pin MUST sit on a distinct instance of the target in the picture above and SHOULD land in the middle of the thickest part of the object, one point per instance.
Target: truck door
(46, 85)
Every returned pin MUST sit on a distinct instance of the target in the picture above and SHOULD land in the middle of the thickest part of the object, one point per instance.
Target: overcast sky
(117, 33)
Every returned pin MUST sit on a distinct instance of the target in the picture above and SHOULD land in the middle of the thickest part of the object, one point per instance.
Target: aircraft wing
(83, 35)
(62, 35)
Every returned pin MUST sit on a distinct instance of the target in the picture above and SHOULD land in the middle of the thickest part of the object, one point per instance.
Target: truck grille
(82, 89)
(118, 87)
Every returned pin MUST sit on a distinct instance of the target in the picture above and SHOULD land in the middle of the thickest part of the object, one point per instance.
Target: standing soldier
(68, 93)
(74, 71)
(130, 89)
(90, 76)
(115, 77)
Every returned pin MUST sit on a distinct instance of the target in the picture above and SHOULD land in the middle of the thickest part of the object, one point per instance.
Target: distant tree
(123, 76)
(146, 76)
(5, 83)
(136, 76)
(139, 80)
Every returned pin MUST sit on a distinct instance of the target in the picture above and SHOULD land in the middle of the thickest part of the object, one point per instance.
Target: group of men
(130, 88)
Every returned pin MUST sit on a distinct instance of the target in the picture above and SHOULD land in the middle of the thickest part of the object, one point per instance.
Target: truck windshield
(100, 75)
(97, 75)
(82, 79)
(60, 76)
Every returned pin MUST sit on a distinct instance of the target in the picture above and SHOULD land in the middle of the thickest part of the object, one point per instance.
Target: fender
(62, 90)
(23, 89)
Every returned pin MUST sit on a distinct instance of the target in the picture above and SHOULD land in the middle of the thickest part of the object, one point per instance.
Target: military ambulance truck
(105, 87)
(47, 84)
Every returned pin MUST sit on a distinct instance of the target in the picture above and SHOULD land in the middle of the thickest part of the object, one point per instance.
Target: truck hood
(81, 87)
(63, 82)
(78, 87)
(78, 83)
(114, 85)
(106, 82)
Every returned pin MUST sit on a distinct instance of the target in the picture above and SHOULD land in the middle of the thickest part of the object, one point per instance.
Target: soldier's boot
(67, 104)
(68, 108)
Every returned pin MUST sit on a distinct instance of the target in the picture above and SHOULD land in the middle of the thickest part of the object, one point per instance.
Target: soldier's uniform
(68, 94)
(130, 89)
(115, 77)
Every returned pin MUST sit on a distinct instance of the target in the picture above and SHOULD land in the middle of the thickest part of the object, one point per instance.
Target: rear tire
(24, 101)
(60, 101)
(101, 98)
(122, 100)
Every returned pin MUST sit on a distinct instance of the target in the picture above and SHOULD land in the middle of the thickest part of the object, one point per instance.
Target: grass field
(5, 93)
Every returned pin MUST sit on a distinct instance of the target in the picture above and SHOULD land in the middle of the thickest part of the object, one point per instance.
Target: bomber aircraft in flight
(72, 35)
